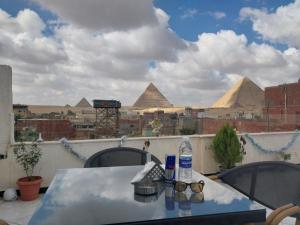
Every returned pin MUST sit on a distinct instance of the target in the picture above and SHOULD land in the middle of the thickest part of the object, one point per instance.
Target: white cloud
(104, 14)
(189, 13)
(113, 63)
(76, 62)
(280, 26)
(217, 14)
(211, 65)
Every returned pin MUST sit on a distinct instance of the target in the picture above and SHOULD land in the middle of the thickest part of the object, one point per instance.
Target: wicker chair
(2, 222)
(120, 156)
(273, 184)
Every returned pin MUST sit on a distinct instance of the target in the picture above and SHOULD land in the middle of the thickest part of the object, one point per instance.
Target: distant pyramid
(152, 98)
(244, 93)
(83, 103)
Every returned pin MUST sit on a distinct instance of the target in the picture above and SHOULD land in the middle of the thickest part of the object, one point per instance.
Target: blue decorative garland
(70, 149)
(282, 149)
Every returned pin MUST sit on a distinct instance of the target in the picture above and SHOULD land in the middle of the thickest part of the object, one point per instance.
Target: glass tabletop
(94, 196)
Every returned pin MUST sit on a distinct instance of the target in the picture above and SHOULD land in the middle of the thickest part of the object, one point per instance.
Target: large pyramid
(245, 93)
(83, 103)
(152, 98)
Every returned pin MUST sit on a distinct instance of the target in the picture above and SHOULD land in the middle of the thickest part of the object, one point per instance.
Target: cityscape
(149, 112)
(245, 106)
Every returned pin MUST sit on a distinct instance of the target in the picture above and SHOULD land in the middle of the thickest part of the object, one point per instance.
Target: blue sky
(188, 18)
(202, 19)
(193, 51)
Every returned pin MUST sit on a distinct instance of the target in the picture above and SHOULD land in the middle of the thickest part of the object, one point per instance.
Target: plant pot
(29, 190)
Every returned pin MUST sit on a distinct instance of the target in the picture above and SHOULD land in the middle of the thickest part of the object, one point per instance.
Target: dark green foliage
(187, 131)
(17, 136)
(226, 147)
(17, 117)
(29, 134)
(27, 157)
(285, 156)
(71, 113)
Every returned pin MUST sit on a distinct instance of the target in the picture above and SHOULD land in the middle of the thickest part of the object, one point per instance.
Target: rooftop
(56, 156)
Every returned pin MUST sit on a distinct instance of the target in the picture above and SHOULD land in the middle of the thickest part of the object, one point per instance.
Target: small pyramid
(151, 98)
(83, 103)
(244, 93)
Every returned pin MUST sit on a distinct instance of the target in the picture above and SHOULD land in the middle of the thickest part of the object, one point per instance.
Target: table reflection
(106, 196)
(183, 199)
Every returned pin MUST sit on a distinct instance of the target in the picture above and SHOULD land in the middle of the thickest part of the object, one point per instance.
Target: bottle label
(185, 161)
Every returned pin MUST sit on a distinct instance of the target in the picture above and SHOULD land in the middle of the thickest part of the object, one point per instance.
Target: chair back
(271, 183)
(120, 156)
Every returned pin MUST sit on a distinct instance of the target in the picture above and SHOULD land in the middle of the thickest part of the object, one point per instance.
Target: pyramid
(83, 103)
(245, 93)
(152, 97)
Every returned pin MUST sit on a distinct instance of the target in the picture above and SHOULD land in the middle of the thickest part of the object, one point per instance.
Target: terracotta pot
(29, 189)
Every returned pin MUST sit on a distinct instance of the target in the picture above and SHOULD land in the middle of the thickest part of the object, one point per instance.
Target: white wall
(6, 125)
(56, 157)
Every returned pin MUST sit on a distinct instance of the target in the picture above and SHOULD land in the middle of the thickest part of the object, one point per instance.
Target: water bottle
(185, 207)
(185, 161)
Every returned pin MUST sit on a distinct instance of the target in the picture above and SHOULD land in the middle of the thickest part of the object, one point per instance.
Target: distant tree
(29, 134)
(17, 117)
(156, 127)
(71, 113)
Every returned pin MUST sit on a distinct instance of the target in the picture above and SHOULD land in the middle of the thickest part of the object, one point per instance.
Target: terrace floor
(18, 212)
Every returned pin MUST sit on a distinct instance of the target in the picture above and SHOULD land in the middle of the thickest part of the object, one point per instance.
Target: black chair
(120, 156)
(271, 183)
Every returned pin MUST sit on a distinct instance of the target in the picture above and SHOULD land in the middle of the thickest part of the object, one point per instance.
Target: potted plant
(28, 157)
(227, 148)
(285, 156)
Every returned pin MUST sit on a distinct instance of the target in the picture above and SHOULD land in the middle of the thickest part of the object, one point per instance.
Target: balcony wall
(6, 111)
(56, 157)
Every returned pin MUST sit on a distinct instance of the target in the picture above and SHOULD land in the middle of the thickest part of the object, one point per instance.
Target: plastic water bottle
(185, 161)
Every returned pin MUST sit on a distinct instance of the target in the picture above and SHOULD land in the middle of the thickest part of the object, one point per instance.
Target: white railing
(56, 157)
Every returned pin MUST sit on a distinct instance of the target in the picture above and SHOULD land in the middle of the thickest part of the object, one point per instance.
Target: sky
(192, 50)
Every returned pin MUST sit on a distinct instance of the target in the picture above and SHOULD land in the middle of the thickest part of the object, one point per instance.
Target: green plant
(156, 126)
(28, 157)
(285, 156)
(29, 134)
(226, 147)
(187, 131)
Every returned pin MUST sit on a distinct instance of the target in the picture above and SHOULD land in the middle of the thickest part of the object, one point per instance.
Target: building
(21, 111)
(282, 104)
(50, 129)
(281, 112)
(130, 127)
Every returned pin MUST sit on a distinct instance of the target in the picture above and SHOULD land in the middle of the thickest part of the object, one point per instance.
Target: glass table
(94, 196)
